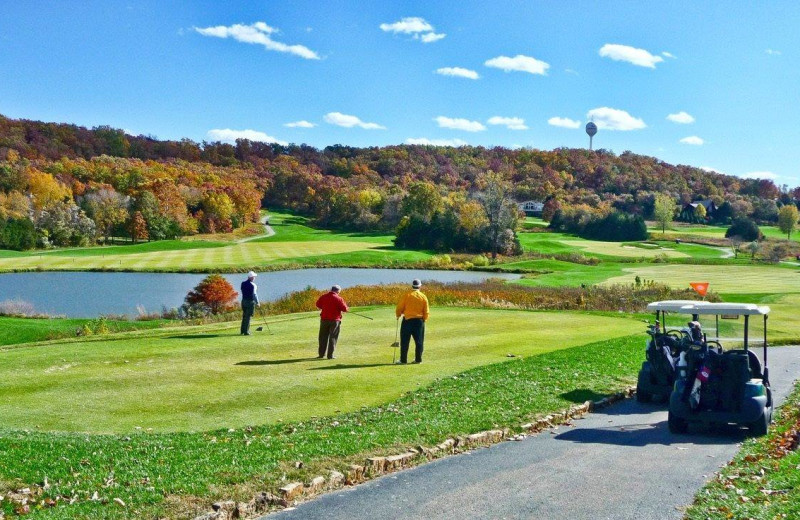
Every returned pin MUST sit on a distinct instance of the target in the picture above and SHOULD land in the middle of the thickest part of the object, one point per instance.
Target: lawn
(172, 475)
(294, 243)
(26, 330)
(210, 377)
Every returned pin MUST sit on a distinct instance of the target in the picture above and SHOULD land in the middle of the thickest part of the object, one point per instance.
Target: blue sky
(709, 84)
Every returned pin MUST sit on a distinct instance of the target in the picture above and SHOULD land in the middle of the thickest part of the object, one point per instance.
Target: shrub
(616, 227)
(479, 261)
(214, 292)
(744, 228)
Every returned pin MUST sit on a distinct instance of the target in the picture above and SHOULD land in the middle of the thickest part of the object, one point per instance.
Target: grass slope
(179, 475)
(27, 330)
(209, 376)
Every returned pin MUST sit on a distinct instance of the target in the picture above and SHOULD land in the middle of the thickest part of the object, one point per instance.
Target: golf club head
(395, 344)
(259, 329)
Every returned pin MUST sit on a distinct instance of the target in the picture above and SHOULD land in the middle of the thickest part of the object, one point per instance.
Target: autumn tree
(213, 292)
(138, 227)
(45, 190)
(787, 219)
(700, 213)
(107, 208)
(500, 209)
(423, 199)
(664, 210)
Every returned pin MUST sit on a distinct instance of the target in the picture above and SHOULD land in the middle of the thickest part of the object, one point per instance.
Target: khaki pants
(328, 334)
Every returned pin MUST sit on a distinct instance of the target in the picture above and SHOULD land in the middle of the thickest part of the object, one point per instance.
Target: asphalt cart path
(618, 463)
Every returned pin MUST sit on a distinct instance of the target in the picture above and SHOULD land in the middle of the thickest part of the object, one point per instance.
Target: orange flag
(700, 287)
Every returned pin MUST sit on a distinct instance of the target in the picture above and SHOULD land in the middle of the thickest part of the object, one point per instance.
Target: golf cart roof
(745, 309)
(673, 305)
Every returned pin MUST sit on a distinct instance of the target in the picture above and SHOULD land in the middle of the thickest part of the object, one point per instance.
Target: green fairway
(294, 243)
(210, 377)
(26, 330)
(723, 278)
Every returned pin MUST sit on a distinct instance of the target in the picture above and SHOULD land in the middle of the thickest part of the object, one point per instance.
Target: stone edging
(373, 467)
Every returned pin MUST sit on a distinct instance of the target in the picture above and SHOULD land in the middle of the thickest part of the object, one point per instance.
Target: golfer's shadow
(345, 367)
(263, 362)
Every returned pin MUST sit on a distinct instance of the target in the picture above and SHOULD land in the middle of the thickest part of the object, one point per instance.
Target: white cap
(251, 274)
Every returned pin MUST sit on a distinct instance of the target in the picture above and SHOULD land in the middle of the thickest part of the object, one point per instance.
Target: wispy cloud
(512, 123)
(348, 121)
(258, 33)
(459, 124)
(710, 169)
(519, 63)
(436, 142)
(417, 27)
(572, 71)
(693, 140)
(668, 55)
(614, 119)
(301, 124)
(639, 57)
(761, 175)
(458, 72)
(226, 135)
(564, 122)
(681, 117)
(773, 52)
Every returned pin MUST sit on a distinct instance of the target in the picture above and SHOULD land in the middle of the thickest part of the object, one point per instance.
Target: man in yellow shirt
(414, 309)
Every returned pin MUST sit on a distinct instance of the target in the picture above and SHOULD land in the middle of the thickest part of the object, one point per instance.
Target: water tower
(591, 129)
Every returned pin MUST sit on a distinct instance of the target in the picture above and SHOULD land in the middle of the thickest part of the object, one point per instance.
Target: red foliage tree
(214, 292)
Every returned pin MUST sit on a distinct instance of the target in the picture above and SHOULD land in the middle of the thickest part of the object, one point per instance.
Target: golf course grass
(26, 330)
(199, 378)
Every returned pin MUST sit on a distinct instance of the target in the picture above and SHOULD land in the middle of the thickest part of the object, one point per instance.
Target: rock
(375, 465)
(216, 515)
(527, 426)
(448, 445)
(316, 485)
(245, 509)
(335, 479)
(290, 491)
(354, 474)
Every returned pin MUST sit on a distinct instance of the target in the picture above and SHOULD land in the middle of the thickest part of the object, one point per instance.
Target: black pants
(328, 335)
(412, 328)
(248, 308)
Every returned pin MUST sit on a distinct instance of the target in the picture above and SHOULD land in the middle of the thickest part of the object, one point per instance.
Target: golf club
(360, 315)
(259, 329)
(396, 343)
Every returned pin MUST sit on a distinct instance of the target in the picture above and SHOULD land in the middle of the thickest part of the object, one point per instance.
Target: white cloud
(348, 121)
(693, 140)
(761, 175)
(458, 71)
(564, 122)
(409, 25)
(681, 117)
(639, 57)
(571, 71)
(301, 124)
(436, 142)
(668, 55)
(519, 63)
(513, 123)
(773, 52)
(430, 37)
(258, 33)
(459, 124)
(613, 119)
(226, 135)
(418, 27)
(709, 169)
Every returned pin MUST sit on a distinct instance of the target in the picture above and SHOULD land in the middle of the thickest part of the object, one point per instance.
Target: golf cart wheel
(677, 424)
(760, 427)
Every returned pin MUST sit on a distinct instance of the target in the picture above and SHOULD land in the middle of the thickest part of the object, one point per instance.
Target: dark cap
(416, 284)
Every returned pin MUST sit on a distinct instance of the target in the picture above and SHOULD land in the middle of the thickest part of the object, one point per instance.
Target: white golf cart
(718, 386)
(657, 375)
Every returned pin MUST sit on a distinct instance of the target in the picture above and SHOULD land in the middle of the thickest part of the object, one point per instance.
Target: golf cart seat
(753, 362)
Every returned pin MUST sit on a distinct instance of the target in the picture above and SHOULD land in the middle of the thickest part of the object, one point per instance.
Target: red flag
(700, 287)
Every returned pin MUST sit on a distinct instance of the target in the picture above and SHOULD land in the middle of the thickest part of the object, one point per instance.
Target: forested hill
(213, 186)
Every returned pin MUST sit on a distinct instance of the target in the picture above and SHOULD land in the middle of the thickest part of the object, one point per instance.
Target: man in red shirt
(330, 320)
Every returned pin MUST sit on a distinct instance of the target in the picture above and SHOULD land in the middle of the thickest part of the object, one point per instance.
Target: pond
(89, 294)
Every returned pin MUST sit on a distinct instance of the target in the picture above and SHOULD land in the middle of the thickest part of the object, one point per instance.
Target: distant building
(531, 208)
(687, 213)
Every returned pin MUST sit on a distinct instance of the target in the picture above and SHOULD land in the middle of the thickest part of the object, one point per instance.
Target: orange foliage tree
(214, 292)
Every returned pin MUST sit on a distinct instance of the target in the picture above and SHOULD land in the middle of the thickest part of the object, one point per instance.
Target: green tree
(700, 213)
(787, 219)
(500, 209)
(423, 199)
(664, 210)
(107, 208)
